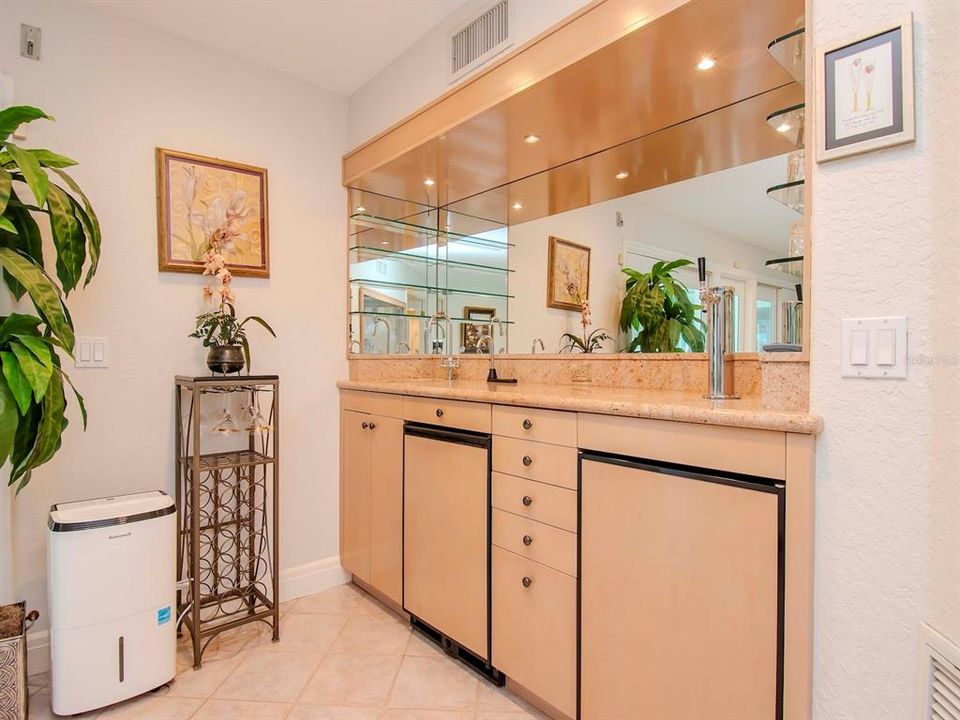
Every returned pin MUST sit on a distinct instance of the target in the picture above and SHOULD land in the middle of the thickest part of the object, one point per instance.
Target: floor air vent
(939, 677)
(480, 40)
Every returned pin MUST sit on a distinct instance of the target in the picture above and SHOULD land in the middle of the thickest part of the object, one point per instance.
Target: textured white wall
(118, 90)
(885, 234)
(420, 74)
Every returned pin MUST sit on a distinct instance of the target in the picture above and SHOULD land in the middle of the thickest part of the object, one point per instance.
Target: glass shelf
(789, 265)
(429, 233)
(385, 253)
(416, 316)
(790, 194)
(430, 288)
(789, 123)
(788, 50)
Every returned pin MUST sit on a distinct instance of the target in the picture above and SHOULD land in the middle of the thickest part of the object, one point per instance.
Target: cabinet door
(386, 517)
(355, 492)
(534, 637)
(679, 596)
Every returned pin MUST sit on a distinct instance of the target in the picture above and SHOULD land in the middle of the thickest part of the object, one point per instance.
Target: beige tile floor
(342, 656)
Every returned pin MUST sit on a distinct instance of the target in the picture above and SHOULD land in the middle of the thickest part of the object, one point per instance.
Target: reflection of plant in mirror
(591, 341)
(658, 308)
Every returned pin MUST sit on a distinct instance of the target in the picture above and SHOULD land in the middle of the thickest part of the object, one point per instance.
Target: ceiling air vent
(940, 677)
(481, 39)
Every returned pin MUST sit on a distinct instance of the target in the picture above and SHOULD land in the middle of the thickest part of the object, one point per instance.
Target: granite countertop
(683, 406)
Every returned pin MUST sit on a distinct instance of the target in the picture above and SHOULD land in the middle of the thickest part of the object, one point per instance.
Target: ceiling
(335, 44)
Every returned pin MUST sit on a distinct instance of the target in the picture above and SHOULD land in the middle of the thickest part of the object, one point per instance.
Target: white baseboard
(295, 582)
(312, 577)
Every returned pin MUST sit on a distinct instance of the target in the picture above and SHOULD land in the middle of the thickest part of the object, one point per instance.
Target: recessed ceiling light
(517, 206)
(531, 139)
(384, 242)
(783, 127)
(706, 63)
(622, 175)
(428, 182)
(360, 209)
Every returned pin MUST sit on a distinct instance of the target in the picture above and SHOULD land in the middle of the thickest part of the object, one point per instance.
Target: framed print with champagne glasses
(864, 91)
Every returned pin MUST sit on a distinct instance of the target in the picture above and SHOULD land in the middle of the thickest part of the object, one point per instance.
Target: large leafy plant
(35, 187)
(658, 308)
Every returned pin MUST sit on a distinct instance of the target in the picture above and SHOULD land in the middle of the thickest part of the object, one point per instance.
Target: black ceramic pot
(225, 359)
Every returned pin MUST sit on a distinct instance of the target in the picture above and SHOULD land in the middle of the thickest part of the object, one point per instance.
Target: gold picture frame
(199, 197)
(568, 274)
(471, 333)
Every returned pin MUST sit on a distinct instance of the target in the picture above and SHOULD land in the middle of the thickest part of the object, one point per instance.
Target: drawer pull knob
(527, 582)
(364, 425)
(439, 412)
(527, 424)
(527, 500)
(527, 461)
(372, 426)
(527, 540)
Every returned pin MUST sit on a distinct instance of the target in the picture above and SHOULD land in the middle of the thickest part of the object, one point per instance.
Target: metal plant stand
(228, 473)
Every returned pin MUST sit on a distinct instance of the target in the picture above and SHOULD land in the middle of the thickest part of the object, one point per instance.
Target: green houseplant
(32, 382)
(657, 307)
(221, 331)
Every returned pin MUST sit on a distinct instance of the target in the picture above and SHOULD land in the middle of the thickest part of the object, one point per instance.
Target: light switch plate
(91, 352)
(874, 347)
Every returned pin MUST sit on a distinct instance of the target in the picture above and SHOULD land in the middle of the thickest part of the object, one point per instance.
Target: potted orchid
(221, 331)
(590, 341)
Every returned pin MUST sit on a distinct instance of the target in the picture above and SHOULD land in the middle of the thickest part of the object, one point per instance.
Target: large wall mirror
(490, 239)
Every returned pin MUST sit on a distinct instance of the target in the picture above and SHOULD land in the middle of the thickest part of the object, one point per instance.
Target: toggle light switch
(886, 346)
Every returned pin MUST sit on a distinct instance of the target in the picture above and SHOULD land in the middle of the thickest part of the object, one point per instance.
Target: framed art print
(204, 202)
(865, 91)
(568, 274)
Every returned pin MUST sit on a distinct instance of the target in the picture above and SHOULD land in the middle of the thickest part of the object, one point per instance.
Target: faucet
(352, 343)
(533, 348)
(404, 344)
(435, 320)
(491, 348)
(718, 303)
(450, 361)
(376, 326)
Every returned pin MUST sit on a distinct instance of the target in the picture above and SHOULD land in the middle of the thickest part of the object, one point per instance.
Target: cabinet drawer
(550, 426)
(552, 464)
(372, 402)
(448, 413)
(535, 500)
(534, 628)
(535, 541)
(744, 450)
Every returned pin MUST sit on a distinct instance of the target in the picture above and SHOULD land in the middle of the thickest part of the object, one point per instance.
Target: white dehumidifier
(112, 588)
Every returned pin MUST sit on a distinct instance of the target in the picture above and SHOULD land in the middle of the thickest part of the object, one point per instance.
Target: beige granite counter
(679, 405)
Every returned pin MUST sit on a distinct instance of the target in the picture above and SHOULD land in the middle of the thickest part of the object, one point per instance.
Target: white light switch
(860, 347)
(874, 347)
(91, 352)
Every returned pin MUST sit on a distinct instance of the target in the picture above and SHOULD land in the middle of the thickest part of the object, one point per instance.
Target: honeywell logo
(117, 537)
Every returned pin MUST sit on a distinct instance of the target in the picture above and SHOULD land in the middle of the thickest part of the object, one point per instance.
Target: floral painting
(568, 274)
(208, 206)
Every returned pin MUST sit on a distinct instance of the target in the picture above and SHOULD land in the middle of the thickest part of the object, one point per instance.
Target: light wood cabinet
(534, 638)
(680, 595)
(371, 500)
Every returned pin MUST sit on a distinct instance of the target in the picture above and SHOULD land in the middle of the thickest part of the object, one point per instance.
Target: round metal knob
(439, 412)
(527, 581)
(527, 540)
(364, 425)
(527, 500)
(527, 461)
(527, 424)
(372, 425)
